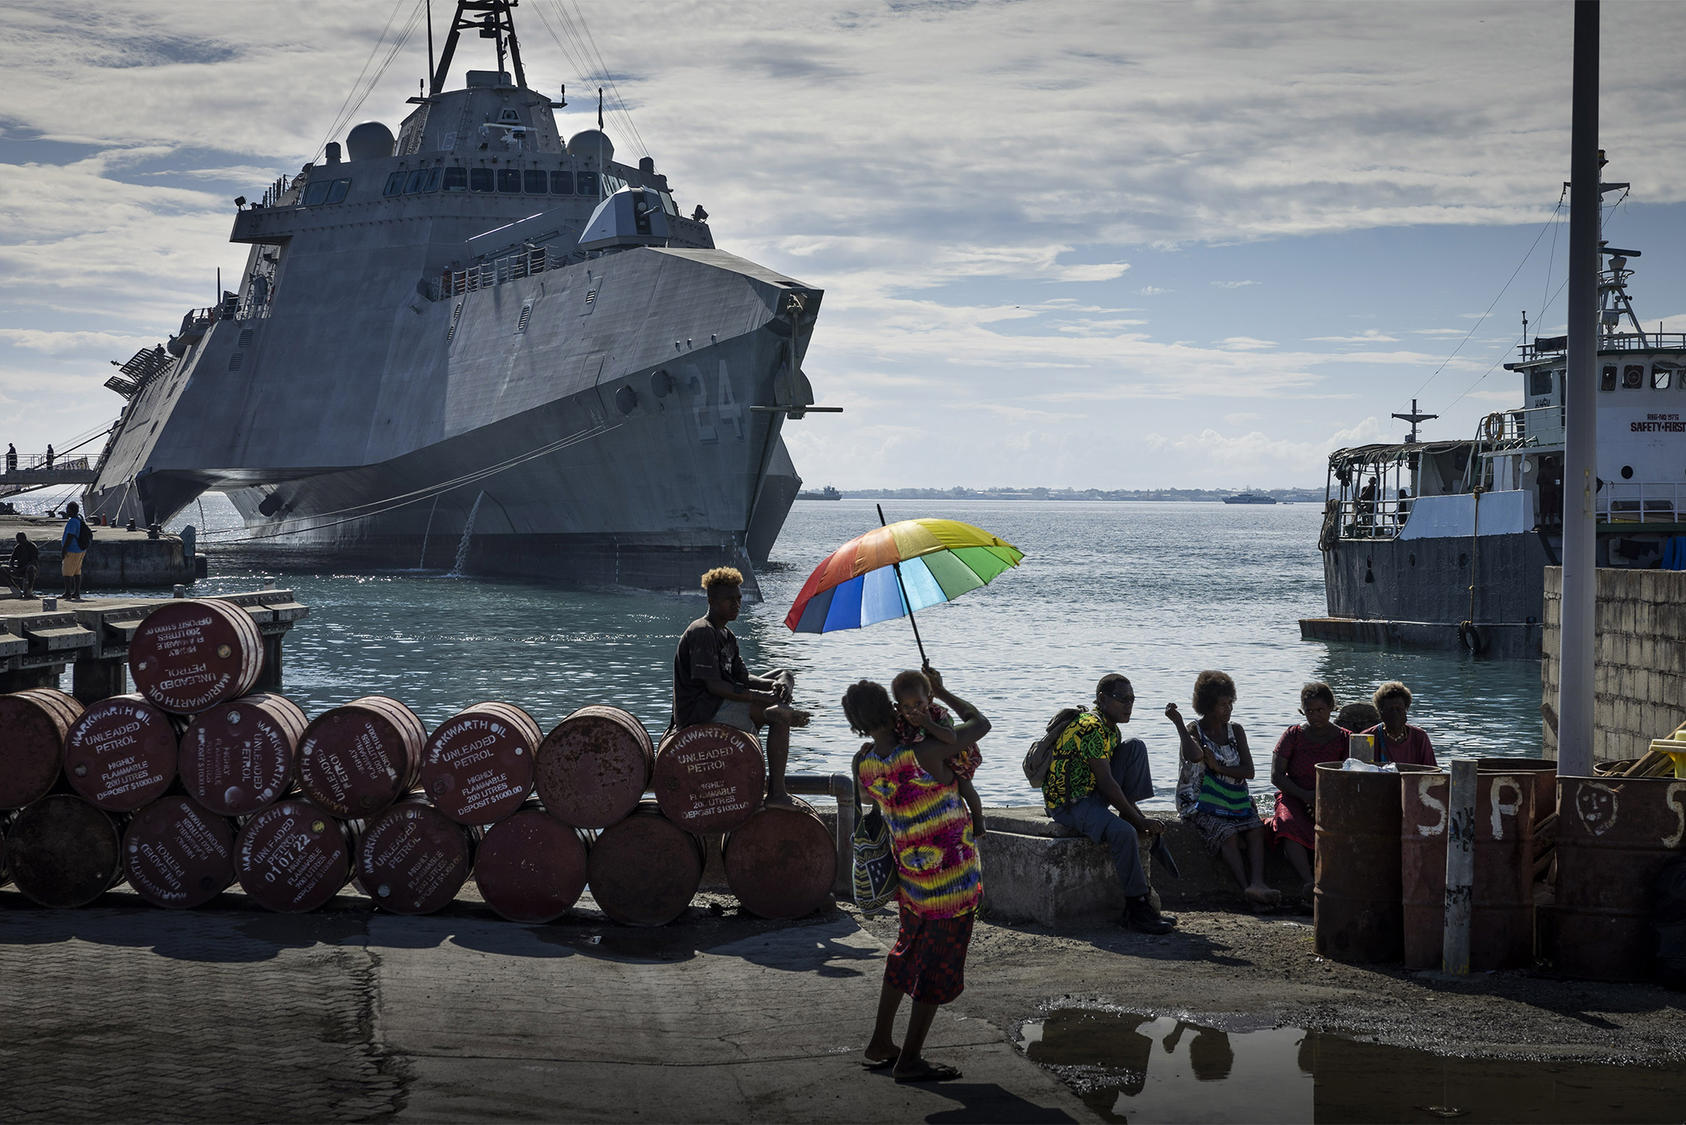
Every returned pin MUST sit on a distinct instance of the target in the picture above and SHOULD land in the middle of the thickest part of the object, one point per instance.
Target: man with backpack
(1092, 771)
(77, 538)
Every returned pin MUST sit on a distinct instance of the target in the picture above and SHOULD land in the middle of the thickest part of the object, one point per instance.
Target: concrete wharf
(92, 637)
(119, 558)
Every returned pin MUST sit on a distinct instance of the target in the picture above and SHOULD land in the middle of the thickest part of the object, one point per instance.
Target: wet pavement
(230, 1013)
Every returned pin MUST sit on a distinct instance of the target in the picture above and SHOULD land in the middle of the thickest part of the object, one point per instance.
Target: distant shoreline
(1199, 495)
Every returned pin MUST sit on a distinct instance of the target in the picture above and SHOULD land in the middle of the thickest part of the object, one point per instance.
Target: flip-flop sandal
(877, 1064)
(933, 1072)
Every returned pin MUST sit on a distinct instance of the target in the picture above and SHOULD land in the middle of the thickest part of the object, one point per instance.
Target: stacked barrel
(196, 782)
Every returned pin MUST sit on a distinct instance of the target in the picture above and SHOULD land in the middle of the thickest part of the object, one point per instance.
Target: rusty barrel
(294, 856)
(121, 753)
(644, 870)
(1358, 915)
(781, 862)
(1501, 934)
(33, 727)
(190, 654)
(594, 767)
(1613, 836)
(531, 867)
(1540, 774)
(477, 766)
(5, 863)
(177, 854)
(413, 859)
(240, 757)
(64, 851)
(709, 777)
(357, 759)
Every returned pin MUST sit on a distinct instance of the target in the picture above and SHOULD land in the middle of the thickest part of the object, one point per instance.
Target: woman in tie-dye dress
(941, 879)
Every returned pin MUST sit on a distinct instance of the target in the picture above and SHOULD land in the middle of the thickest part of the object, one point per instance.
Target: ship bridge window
(509, 179)
(1607, 378)
(394, 184)
(1633, 375)
(479, 179)
(1662, 375)
(456, 178)
(561, 183)
(535, 181)
(423, 179)
(1539, 382)
(587, 183)
(325, 191)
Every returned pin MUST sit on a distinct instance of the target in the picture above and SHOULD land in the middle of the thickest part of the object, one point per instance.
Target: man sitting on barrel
(711, 684)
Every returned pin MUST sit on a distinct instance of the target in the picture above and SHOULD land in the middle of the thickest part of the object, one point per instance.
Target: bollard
(1460, 866)
(178, 591)
(189, 541)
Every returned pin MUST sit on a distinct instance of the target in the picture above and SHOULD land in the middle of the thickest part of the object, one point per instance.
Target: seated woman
(1397, 740)
(1212, 787)
(1293, 770)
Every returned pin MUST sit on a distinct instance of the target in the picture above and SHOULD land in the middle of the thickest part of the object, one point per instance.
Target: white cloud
(1233, 284)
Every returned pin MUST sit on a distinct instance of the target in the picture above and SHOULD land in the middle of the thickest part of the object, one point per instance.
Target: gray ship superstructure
(1444, 544)
(477, 331)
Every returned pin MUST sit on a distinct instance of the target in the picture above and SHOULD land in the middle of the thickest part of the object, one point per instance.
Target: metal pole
(1460, 867)
(1580, 442)
(902, 586)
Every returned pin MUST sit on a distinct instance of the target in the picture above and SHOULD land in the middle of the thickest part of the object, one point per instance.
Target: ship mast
(494, 19)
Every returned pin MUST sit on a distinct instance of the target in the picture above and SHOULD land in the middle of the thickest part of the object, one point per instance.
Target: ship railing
(484, 275)
(1381, 518)
(1642, 341)
(1533, 425)
(37, 463)
(1640, 502)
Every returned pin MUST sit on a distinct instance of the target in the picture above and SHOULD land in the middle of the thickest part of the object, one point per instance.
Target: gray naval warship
(478, 335)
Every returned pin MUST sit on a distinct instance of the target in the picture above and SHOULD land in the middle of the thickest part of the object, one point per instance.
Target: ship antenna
(599, 109)
(496, 21)
(430, 64)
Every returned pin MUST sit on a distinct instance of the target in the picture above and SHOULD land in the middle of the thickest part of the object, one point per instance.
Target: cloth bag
(873, 868)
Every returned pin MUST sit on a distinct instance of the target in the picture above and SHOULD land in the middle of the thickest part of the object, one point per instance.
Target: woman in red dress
(1293, 770)
(1397, 740)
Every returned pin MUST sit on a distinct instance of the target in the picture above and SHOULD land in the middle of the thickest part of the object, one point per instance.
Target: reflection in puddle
(1139, 1068)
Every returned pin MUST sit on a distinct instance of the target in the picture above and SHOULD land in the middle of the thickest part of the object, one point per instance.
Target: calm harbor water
(1158, 591)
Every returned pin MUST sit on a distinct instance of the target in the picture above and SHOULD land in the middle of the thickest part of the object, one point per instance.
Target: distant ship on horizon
(826, 493)
(1250, 498)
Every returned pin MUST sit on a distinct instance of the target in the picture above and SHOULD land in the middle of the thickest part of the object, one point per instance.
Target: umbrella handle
(902, 586)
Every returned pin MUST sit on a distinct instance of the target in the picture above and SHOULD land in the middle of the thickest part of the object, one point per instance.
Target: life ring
(1492, 427)
(1470, 637)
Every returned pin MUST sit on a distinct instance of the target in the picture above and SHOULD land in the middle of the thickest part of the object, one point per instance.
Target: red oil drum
(1501, 933)
(709, 777)
(121, 753)
(781, 862)
(239, 757)
(1613, 836)
(64, 851)
(414, 859)
(1541, 774)
(531, 867)
(357, 759)
(477, 766)
(189, 654)
(1359, 916)
(293, 856)
(644, 870)
(594, 767)
(5, 864)
(33, 727)
(177, 855)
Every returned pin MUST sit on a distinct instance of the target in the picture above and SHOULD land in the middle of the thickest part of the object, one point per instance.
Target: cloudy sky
(1063, 242)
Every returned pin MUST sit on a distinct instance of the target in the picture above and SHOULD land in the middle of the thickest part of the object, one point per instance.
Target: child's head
(867, 707)
(911, 689)
(1212, 690)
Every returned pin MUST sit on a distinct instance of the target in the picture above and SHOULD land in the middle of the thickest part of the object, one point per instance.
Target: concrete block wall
(1639, 677)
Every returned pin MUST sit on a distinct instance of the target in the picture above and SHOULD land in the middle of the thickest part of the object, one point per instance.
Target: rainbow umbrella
(895, 569)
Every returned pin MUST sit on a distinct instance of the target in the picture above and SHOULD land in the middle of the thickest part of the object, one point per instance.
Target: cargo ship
(1444, 544)
(478, 342)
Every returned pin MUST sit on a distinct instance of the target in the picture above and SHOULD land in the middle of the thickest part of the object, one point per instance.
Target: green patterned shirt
(1070, 776)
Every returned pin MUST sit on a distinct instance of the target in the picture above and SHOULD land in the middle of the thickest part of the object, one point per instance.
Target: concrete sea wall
(1639, 680)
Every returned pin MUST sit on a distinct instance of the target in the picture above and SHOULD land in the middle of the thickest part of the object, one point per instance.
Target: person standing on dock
(11, 458)
(50, 457)
(1096, 770)
(937, 864)
(711, 684)
(73, 548)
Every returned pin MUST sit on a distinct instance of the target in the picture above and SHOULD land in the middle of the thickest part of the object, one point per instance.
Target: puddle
(1130, 1067)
